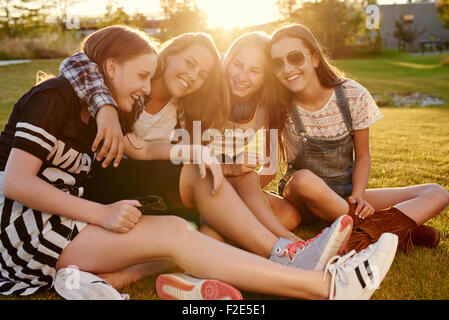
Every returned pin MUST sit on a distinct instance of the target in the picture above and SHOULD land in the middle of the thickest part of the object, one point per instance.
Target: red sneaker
(180, 286)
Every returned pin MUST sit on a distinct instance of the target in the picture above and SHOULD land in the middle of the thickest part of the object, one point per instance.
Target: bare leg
(208, 231)
(167, 238)
(307, 191)
(248, 188)
(132, 274)
(420, 203)
(225, 212)
(288, 215)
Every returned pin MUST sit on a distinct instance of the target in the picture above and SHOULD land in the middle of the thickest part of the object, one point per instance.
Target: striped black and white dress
(46, 123)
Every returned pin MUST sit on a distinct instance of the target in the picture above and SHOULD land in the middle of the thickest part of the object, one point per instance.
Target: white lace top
(158, 127)
(327, 123)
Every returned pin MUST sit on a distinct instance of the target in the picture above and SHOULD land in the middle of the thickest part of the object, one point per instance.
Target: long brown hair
(272, 96)
(328, 75)
(121, 43)
(210, 103)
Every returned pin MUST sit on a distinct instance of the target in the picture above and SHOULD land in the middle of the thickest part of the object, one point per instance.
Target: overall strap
(343, 105)
(298, 162)
(300, 129)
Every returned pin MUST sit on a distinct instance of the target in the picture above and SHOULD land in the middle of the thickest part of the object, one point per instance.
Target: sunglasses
(296, 58)
(152, 205)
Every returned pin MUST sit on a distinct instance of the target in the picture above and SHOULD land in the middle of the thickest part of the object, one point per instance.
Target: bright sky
(222, 13)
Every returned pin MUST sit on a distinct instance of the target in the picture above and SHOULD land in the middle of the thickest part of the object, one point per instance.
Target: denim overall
(332, 160)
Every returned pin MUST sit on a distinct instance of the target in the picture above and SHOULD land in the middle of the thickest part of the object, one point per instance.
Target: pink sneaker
(180, 286)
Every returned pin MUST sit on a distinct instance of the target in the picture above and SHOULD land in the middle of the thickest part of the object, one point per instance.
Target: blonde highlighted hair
(210, 103)
(272, 96)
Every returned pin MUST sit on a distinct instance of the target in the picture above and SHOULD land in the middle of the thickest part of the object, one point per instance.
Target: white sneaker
(73, 284)
(356, 276)
(180, 286)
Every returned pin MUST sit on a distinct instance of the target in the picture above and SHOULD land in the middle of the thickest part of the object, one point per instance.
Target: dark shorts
(134, 179)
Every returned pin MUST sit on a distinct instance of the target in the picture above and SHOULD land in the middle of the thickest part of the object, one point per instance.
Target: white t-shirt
(157, 128)
(327, 123)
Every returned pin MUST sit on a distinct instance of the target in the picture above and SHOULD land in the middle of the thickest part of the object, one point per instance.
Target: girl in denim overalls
(329, 122)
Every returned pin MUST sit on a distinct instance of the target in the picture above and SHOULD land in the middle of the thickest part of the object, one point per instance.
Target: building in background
(418, 16)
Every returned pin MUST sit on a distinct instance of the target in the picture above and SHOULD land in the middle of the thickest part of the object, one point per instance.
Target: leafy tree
(443, 11)
(182, 16)
(336, 24)
(137, 20)
(286, 8)
(6, 8)
(115, 14)
(29, 16)
(406, 33)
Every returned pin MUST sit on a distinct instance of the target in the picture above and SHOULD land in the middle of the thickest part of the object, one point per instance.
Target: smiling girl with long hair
(328, 123)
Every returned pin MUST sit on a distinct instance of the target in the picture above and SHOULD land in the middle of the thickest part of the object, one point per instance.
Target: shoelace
(336, 266)
(293, 247)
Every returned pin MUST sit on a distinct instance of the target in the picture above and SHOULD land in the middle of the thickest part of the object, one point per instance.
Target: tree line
(339, 25)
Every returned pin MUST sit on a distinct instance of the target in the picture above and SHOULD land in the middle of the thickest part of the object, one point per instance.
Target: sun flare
(238, 13)
(226, 14)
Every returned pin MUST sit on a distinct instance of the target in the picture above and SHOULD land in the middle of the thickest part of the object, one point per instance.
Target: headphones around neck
(242, 111)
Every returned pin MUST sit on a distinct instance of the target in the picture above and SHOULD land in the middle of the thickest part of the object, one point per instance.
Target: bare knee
(174, 226)
(439, 193)
(302, 183)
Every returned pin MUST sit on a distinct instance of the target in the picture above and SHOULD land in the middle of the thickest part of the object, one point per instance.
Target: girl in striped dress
(46, 226)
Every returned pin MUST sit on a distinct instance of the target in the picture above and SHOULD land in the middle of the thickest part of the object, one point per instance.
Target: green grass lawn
(409, 146)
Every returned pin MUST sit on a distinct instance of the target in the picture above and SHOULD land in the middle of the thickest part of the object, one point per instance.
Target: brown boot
(390, 220)
(426, 236)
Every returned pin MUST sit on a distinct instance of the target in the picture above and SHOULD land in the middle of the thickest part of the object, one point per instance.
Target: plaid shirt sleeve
(87, 81)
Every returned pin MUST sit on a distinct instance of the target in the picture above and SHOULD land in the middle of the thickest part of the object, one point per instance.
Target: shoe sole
(339, 239)
(388, 244)
(184, 287)
(94, 287)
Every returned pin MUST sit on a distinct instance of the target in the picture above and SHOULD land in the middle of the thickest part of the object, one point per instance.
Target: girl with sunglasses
(328, 121)
(149, 171)
(47, 228)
